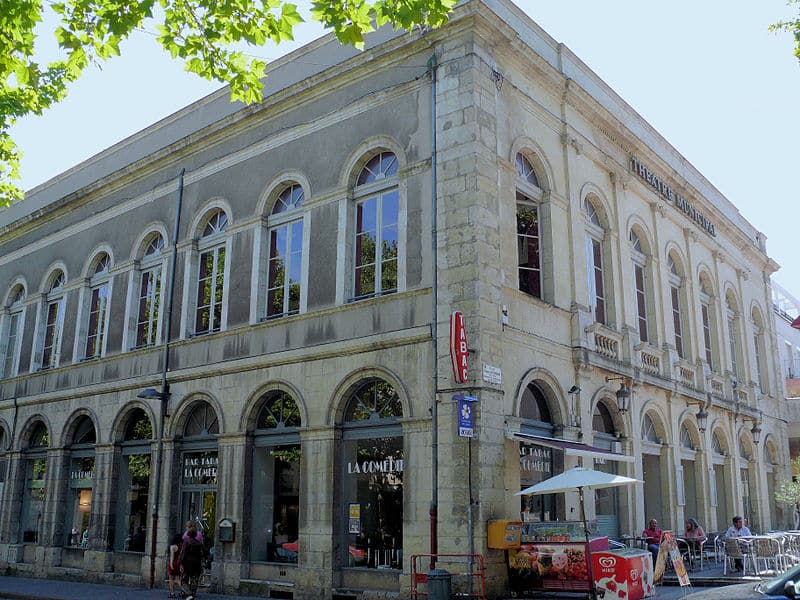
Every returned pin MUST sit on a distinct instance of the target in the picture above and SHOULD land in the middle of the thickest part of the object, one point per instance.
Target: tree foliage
(205, 34)
(788, 490)
(792, 26)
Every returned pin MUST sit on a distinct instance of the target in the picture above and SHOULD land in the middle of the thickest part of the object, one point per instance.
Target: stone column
(53, 526)
(98, 558)
(233, 485)
(318, 547)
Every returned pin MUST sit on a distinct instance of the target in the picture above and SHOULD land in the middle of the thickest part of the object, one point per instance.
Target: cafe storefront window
(536, 462)
(275, 516)
(35, 490)
(133, 487)
(372, 478)
(199, 471)
(81, 484)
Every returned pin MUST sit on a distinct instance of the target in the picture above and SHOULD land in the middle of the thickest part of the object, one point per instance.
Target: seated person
(652, 537)
(738, 529)
(694, 535)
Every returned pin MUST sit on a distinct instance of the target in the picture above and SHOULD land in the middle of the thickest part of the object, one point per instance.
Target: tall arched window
(529, 195)
(372, 477)
(734, 336)
(35, 456)
(719, 483)
(81, 484)
(4, 449)
(275, 510)
(53, 318)
(133, 487)
(678, 301)
(708, 320)
(148, 322)
(641, 284)
(211, 275)
(595, 260)
(96, 313)
(13, 318)
(760, 347)
(377, 242)
(607, 501)
(285, 269)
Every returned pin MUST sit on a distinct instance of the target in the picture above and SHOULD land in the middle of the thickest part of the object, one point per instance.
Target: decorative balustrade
(649, 358)
(604, 341)
(684, 371)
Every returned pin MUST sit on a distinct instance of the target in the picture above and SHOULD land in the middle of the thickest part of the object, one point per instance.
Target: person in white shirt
(738, 529)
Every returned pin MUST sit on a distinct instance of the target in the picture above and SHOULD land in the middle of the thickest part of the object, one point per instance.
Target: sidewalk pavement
(26, 588)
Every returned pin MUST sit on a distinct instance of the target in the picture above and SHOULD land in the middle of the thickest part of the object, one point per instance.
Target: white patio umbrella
(579, 479)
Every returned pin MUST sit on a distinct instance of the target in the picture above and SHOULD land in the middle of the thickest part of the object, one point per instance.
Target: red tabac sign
(458, 346)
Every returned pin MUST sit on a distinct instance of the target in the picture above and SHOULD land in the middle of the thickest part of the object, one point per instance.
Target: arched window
(537, 461)
(529, 195)
(641, 284)
(276, 480)
(96, 313)
(372, 477)
(595, 260)
(11, 327)
(53, 320)
(211, 275)
(716, 445)
(285, 269)
(35, 456)
(708, 320)
(148, 323)
(133, 487)
(678, 301)
(760, 347)
(80, 484)
(377, 242)
(734, 335)
(649, 432)
(686, 438)
(199, 470)
(4, 448)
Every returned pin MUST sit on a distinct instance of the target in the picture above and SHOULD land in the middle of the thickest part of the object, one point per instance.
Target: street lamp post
(163, 395)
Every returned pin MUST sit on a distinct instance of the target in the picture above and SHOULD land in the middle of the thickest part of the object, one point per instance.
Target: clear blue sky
(706, 74)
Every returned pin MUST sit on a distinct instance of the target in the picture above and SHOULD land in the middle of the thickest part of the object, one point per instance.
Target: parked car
(785, 586)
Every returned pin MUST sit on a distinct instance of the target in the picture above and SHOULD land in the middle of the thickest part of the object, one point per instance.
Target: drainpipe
(434, 328)
(164, 394)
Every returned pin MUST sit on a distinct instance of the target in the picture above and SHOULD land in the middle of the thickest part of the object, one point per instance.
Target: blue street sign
(466, 415)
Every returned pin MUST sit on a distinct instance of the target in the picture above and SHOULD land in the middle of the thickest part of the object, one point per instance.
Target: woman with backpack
(191, 559)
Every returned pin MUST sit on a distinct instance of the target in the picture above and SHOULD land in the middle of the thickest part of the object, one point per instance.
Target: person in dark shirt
(191, 560)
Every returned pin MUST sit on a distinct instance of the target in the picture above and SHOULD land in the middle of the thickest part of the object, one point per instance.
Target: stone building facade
(309, 336)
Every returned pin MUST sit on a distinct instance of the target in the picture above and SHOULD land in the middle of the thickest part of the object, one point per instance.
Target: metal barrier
(467, 574)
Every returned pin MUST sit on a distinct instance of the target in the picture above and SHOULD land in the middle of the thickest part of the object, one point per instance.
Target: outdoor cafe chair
(766, 550)
(734, 552)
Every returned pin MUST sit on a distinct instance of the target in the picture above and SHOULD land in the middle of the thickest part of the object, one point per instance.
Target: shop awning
(572, 448)
(796, 323)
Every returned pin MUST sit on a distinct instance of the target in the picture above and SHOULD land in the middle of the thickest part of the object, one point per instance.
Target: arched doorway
(275, 492)
(80, 483)
(721, 484)
(746, 483)
(372, 468)
(133, 489)
(688, 490)
(35, 457)
(651, 470)
(199, 470)
(537, 462)
(607, 500)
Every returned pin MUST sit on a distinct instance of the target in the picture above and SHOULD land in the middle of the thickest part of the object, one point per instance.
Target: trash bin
(439, 585)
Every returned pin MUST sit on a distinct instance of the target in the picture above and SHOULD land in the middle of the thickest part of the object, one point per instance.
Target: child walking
(174, 566)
